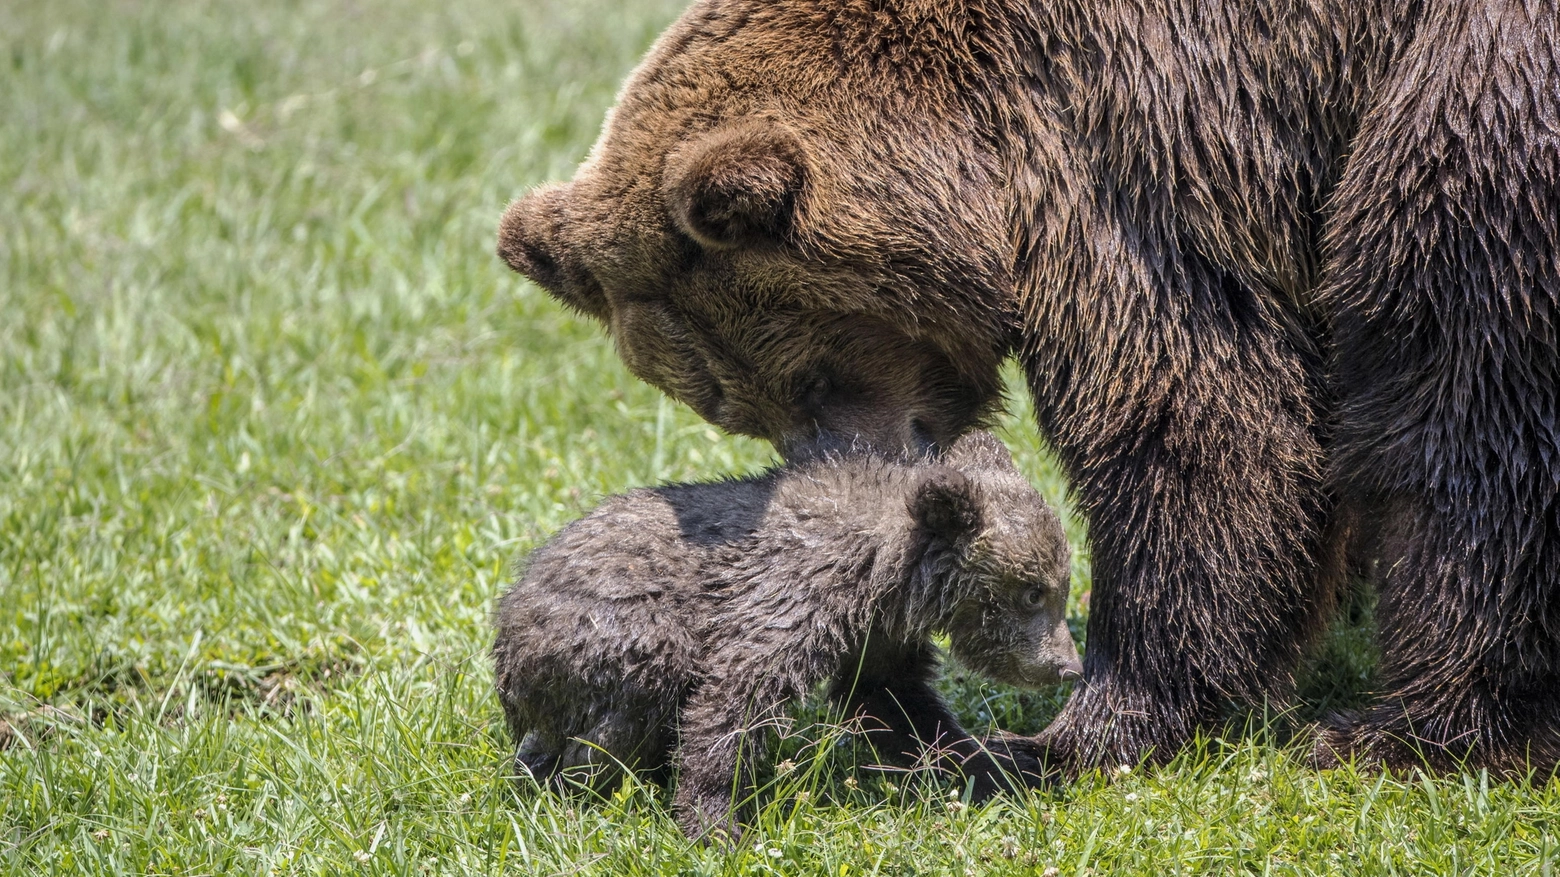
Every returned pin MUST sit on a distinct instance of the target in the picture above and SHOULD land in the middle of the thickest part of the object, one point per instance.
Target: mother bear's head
(796, 222)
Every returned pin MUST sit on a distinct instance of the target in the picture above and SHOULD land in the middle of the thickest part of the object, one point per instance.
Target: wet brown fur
(684, 618)
(1271, 269)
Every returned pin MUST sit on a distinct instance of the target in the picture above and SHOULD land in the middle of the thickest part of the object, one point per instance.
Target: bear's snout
(530, 242)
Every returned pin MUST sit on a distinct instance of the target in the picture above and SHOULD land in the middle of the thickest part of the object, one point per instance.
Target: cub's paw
(1016, 763)
(707, 819)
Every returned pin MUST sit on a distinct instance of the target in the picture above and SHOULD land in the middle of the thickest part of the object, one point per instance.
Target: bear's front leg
(1184, 419)
(1444, 294)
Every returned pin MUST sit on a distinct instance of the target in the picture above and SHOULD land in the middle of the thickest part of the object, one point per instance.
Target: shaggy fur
(1284, 278)
(687, 616)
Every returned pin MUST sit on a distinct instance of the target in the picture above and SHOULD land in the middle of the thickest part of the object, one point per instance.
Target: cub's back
(621, 592)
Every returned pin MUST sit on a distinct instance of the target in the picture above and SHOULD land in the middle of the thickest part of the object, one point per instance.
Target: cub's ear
(945, 504)
(530, 241)
(979, 450)
(735, 186)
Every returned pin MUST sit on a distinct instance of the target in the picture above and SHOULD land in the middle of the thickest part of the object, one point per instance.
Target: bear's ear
(530, 243)
(980, 450)
(946, 505)
(735, 186)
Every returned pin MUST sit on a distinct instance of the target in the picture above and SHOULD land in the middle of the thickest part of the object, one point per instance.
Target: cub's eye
(1033, 598)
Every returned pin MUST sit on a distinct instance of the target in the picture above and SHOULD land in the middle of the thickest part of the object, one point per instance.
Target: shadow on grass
(1340, 674)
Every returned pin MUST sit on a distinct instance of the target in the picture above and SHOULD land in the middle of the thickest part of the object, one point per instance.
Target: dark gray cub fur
(701, 610)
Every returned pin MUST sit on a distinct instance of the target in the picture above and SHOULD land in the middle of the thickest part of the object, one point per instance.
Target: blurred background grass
(264, 379)
(274, 423)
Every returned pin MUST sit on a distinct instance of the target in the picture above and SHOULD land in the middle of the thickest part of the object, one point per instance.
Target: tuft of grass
(274, 423)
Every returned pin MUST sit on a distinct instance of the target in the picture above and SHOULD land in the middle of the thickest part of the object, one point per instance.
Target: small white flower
(775, 853)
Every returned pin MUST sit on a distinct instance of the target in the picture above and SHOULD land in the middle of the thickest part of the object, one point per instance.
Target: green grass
(274, 423)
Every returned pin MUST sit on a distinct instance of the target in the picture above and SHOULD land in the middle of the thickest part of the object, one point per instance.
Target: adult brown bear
(1284, 277)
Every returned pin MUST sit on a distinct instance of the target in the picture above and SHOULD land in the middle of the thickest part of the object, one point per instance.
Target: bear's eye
(1034, 597)
(816, 393)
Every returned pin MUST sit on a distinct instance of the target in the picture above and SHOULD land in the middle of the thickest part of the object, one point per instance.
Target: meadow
(275, 424)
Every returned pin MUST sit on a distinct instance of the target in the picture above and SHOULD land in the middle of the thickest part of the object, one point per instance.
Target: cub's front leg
(727, 720)
(890, 688)
(724, 727)
(717, 750)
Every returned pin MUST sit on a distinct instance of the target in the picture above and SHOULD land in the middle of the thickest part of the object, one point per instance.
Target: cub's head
(793, 224)
(1000, 548)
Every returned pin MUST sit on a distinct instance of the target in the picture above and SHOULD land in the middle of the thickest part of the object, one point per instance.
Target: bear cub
(687, 617)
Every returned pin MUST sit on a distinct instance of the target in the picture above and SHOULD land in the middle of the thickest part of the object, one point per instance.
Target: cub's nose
(1072, 671)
